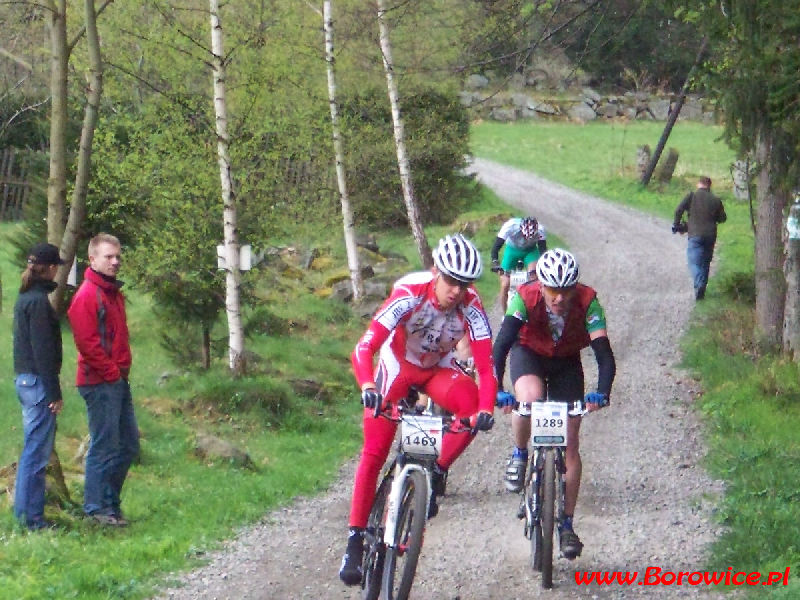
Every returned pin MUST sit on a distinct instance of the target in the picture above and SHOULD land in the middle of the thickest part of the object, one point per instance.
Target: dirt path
(645, 501)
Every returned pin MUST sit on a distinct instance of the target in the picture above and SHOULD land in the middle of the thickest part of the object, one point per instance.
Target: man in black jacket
(705, 210)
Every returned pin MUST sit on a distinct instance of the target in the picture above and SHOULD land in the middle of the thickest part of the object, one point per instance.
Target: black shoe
(350, 572)
(700, 293)
(40, 525)
(433, 506)
(571, 545)
(438, 480)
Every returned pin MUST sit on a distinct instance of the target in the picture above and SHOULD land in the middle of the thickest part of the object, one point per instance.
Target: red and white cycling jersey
(413, 327)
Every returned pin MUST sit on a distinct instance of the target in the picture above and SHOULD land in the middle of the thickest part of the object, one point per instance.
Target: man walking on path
(100, 328)
(705, 210)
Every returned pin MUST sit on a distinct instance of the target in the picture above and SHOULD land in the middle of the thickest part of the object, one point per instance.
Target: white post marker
(245, 257)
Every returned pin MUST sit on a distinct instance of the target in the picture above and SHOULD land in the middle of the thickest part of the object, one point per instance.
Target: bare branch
(23, 63)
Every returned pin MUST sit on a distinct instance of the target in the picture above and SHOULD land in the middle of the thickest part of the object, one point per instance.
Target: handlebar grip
(378, 407)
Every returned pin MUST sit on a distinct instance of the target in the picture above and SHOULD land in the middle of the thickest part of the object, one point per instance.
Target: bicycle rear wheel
(548, 489)
(400, 562)
(376, 549)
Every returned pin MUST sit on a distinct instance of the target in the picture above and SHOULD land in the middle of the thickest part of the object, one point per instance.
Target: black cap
(44, 254)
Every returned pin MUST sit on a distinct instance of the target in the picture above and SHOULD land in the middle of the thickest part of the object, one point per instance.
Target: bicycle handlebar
(396, 415)
(575, 408)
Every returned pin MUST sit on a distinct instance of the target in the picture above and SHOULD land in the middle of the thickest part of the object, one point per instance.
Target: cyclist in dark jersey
(549, 322)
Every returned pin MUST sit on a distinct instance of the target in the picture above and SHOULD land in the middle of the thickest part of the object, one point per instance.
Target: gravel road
(645, 500)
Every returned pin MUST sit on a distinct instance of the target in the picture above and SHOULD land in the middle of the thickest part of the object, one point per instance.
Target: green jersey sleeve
(516, 308)
(595, 316)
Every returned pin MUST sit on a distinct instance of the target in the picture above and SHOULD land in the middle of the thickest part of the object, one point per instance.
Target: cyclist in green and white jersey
(525, 240)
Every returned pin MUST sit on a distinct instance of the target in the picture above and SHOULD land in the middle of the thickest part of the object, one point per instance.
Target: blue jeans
(699, 252)
(39, 430)
(114, 444)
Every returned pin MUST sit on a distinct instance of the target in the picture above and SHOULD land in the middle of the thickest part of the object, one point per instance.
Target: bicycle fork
(531, 507)
(396, 497)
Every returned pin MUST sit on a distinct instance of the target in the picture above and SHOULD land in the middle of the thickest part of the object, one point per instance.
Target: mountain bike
(396, 523)
(542, 504)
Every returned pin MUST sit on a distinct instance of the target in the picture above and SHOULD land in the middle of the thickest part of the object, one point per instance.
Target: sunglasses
(452, 281)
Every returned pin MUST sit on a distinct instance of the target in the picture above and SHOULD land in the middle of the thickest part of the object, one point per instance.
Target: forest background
(155, 184)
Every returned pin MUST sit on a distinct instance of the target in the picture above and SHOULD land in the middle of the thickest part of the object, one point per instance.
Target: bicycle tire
(548, 488)
(536, 545)
(407, 544)
(375, 553)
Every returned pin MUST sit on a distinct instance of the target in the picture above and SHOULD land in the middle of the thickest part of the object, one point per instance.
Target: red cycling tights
(450, 389)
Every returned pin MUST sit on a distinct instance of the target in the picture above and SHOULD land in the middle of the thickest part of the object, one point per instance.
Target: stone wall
(582, 105)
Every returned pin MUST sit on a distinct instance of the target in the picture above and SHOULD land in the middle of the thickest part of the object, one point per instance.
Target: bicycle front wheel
(400, 562)
(548, 490)
(376, 549)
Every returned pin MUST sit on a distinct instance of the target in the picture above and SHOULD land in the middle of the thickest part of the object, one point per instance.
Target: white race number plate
(549, 424)
(421, 434)
(518, 278)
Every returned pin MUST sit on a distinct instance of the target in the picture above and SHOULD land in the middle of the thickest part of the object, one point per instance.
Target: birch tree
(403, 163)
(341, 179)
(230, 228)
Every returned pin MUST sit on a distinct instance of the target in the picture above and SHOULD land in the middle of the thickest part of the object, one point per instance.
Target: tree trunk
(791, 318)
(769, 258)
(400, 143)
(77, 211)
(230, 228)
(205, 350)
(673, 116)
(347, 212)
(57, 181)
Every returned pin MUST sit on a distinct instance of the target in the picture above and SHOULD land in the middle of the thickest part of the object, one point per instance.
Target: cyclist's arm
(606, 365)
(498, 243)
(487, 390)
(364, 353)
(509, 330)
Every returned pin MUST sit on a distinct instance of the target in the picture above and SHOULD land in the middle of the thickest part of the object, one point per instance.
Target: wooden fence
(14, 188)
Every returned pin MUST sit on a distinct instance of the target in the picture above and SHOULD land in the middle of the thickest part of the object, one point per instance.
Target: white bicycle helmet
(528, 227)
(457, 257)
(557, 268)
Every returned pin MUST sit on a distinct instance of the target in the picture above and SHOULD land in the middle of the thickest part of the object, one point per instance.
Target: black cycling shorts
(563, 376)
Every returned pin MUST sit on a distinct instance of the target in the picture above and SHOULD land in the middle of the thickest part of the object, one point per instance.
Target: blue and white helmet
(557, 268)
(457, 257)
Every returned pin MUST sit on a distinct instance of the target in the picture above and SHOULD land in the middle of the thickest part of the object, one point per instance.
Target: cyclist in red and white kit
(414, 334)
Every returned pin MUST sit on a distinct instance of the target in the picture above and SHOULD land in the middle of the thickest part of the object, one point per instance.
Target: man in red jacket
(100, 329)
(548, 323)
